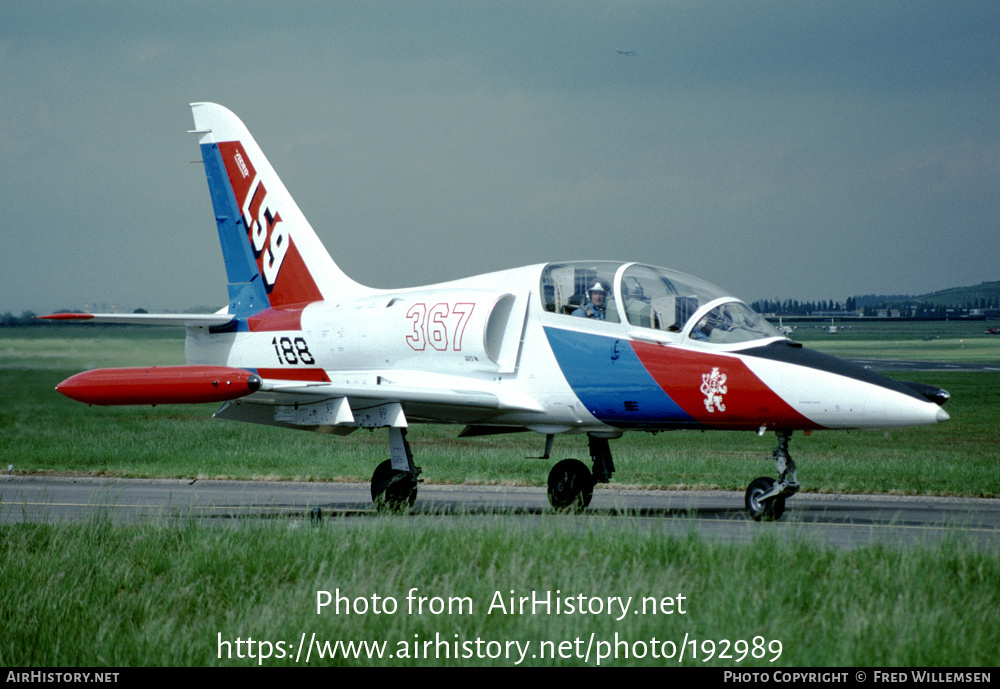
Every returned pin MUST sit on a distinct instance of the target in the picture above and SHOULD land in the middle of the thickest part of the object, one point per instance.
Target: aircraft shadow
(827, 514)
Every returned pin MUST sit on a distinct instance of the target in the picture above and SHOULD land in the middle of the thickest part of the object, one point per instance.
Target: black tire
(769, 510)
(393, 490)
(571, 485)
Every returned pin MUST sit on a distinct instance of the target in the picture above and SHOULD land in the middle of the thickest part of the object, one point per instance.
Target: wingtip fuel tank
(160, 385)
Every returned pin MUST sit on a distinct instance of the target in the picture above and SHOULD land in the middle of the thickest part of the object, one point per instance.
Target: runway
(890, 365)
(838, 520)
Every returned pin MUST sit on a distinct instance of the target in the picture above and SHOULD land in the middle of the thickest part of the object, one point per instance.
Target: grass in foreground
(95, 594)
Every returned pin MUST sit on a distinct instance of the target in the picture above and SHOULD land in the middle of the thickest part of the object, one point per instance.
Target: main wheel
(570, 485)
(393, 490)
(769, 510)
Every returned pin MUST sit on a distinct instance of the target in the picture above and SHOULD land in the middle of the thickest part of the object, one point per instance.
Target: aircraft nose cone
(942, 415)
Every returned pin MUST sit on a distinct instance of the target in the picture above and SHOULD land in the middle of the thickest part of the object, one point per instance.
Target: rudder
(273, 256)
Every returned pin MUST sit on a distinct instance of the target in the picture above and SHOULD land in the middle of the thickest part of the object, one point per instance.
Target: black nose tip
(932, 392)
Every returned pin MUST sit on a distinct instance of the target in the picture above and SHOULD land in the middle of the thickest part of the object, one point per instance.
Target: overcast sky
(777, 149)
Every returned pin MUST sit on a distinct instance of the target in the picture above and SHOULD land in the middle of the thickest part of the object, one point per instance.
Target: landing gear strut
(394, 483)
(571, 484)
(765, 497)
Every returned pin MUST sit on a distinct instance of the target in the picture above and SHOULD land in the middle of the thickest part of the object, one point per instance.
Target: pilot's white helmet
(597, 287)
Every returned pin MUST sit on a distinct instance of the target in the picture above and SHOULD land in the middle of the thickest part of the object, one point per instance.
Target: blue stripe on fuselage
(611, 382)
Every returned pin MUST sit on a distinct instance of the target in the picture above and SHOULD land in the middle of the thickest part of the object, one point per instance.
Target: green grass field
(96, 594)
(956, 341)
(47, 433)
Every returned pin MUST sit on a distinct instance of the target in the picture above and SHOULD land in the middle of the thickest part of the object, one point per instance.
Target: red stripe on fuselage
(272, 320)
(731, 397)
(306, 374)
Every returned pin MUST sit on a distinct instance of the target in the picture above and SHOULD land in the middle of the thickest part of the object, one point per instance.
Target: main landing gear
(765, 497)
(394, 483)
(571, 484)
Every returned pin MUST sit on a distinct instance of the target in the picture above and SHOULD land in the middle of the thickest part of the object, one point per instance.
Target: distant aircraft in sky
(591, 347)
(629, 53)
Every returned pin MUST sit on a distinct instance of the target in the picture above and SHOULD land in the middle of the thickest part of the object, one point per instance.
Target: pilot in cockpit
(702, 330)
(597, 303)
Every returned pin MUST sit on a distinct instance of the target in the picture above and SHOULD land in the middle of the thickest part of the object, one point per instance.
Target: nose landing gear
(765, 496)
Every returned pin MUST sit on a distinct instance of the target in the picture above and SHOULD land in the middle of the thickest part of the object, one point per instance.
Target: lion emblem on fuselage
(713, 387)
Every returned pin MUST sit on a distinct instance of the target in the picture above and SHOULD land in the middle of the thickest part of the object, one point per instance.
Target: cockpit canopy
(649, 297)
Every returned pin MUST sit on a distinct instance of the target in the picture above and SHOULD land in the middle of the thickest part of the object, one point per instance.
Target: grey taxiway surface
(838, 520)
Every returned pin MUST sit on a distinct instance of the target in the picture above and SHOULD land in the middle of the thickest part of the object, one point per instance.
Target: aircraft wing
(184, 319)
(395, 386)
(373, 400)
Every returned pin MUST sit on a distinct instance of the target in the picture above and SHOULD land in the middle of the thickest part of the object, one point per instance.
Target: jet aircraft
(592, 347)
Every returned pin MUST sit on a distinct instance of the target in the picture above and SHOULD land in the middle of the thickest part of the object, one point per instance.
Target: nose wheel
(764, 509)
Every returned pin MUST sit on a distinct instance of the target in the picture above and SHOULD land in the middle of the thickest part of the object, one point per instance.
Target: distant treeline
(975, 300)
(874, 306)
(794, 307)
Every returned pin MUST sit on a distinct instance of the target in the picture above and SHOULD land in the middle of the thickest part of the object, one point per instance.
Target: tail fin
(273, 257)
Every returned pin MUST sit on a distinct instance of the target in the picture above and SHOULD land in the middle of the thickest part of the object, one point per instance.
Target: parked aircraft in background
(596, 347)
(833, 328)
